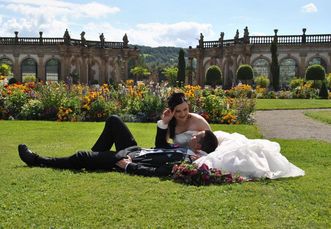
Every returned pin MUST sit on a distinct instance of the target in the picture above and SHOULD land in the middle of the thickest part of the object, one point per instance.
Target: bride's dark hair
(174, 99)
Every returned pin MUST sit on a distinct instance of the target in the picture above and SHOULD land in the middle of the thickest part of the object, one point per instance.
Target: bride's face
(181, 112)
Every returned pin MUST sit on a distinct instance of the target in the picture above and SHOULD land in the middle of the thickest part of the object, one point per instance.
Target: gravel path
(291, 124)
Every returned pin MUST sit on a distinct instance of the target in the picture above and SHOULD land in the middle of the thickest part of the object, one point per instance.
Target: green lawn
(49, 198)
(323, 116)
(274, 104)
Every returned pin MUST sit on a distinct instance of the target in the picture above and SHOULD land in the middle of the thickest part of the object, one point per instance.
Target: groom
(128, 156)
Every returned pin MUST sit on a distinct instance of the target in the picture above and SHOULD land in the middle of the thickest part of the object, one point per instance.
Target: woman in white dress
(181, 124)
(251, 158)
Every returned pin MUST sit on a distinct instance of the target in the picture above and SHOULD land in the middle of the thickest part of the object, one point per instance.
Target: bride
(251, 158)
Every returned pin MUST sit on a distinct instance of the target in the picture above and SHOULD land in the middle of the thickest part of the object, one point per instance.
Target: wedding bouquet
(203, 175)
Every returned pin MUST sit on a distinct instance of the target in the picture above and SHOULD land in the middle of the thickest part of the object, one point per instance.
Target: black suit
(152, 162)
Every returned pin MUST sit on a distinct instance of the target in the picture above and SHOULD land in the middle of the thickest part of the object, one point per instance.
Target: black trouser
(114, 132)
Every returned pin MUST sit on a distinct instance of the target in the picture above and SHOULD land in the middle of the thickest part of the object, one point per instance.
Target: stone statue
(246, 35)
(66, 37)
(201, 40)
(102, 40)
(220, 40)
(236, 37)
(125, 41)
(82, 38)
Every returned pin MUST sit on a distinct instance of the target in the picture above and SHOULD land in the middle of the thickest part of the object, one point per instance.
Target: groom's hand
(124, 162)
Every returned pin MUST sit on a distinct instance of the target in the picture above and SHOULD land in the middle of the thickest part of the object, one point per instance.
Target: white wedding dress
(251, 158)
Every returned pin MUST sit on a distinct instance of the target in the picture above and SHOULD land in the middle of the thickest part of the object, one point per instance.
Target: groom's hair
(209, 142)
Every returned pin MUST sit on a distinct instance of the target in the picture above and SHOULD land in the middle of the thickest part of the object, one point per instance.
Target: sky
(157, 23)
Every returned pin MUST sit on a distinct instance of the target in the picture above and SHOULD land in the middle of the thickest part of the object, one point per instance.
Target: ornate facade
(295, 54)
(58, 58)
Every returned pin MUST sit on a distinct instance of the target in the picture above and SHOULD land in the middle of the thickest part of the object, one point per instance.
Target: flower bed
(136, 103)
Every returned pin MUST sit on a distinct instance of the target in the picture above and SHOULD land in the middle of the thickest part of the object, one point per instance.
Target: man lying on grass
(128, 156)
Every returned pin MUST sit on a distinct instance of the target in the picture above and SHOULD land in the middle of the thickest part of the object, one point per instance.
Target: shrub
(328, 79)
(244, 108)
(5, 69)
(214, 76)
(29, 78)
(315, 72)
(14, 103)
(324, 94)
(31, 110)
(245, 73)
(262, 81)
(213, 105)
(296, 82)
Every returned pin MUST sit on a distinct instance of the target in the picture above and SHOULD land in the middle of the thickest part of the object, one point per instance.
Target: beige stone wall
(101, 64)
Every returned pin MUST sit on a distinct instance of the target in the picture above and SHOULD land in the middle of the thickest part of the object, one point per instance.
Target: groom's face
(196, 140)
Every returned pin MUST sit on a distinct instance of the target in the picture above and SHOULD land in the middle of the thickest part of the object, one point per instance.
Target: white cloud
(309, 8)
(181, 34)
(50, 16)
(53, 17)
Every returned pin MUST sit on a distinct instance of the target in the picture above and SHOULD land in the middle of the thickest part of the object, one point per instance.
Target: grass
(323, 116)
(45, 198)
(274, 104)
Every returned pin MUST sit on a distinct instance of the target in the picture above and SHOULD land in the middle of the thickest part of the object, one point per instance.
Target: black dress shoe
(27, 155)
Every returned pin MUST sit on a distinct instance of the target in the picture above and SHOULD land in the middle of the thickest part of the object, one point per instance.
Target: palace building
(55, 59)
(295, 54)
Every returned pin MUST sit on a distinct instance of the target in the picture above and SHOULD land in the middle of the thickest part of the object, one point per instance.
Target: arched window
(287, 70)
(29, 69)
(317, 60)
(52, 70)
(261, 67)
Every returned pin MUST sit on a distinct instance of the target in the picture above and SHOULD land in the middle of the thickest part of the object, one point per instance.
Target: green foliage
(29, 78)
(51, 96)
(152, 107)
(181, 68)
(315, 72)
(140, 72)
(5, 70)
(171, 75)
(328, 80)
(274, 68)
(214, 106)
(324, 94)
(244, 108)
(15, 102)
(245, 72)
(32, 110)
(262, 81)
(296, 82)
(214, 76)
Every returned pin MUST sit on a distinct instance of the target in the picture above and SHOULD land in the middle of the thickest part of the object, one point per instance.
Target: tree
(171, 74)
(245, 73)
(181, 68)
(315, 72)
(274, 68)
(139, 72)
(324, 94)
(5, 70)
(214, 76)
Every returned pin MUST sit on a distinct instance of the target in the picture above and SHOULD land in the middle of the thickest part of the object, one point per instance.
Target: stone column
(17, 68)
(83, 73)
(302, 65)
(41, 74)
(190, 80)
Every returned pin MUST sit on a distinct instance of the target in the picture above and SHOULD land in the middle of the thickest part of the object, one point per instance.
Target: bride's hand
(167, 116)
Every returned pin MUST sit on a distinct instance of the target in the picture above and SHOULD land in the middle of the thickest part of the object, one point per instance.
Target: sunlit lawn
(272, 104)
(323, 116)
(48, 198)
